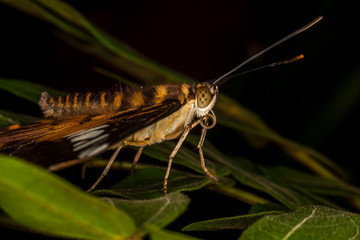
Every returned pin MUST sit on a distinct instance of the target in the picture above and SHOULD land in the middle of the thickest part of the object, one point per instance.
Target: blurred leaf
(9, 118)
(159, 211)
(148, 183)
(305, 155)
(238, 194)
(25, 89)
(237, 222)
(286, 196)
(44, 202)
(310, 223)
(318, 199)
(315, 184)
(95, 41)
(232, 109)
(160, 234)
(6, 221)
(248, 177)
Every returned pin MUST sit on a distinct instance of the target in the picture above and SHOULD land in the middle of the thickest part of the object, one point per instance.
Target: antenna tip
(301, 56)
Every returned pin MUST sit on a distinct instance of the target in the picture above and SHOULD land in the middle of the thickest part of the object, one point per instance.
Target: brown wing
(52, 141)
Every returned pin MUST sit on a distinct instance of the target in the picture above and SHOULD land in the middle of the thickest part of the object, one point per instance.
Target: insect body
(80, 126)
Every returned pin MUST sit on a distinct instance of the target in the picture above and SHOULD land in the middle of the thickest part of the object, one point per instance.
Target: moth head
(205, 98)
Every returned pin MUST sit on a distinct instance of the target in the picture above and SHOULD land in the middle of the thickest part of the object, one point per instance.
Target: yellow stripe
(87, 99)
(59, 102)
(117, 99)
(51, 100)
(137, 100)
(185, 91)
(67, 101)
(102, 99)
(75, 100)
(160, 94)
(12, 127)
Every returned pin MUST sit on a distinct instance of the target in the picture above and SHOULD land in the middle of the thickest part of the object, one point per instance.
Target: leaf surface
(158, 212)
(236, 222)
(44, 202)
(148, 183)
(25, 89)
(160, 234)
(310, 223)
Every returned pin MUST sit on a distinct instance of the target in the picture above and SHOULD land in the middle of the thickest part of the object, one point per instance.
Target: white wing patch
(88, 133)
(84, 144)
(93, 151)
(89, 142)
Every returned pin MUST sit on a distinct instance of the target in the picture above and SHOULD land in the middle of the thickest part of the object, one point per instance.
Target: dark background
(314, 101)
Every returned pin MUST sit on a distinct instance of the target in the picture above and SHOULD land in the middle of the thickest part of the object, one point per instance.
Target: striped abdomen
(112, 102)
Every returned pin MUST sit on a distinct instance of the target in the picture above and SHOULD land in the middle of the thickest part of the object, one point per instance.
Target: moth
(77, 127)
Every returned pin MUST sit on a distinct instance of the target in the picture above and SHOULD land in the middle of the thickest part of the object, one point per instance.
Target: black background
(314, 101)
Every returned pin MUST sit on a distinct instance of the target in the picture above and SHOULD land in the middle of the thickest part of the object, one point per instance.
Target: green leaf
(159, 211)
(251, 178)
(148, 183)
(303, 154)
(310, 223)
(25, 89)
(285, 195)
(267, 207)
(9, 118)
(315, 184)
(44, 202)
(160, 234)
(95, 41)
(185, 157)
(314, 187)
(237, 222)
(238, 194)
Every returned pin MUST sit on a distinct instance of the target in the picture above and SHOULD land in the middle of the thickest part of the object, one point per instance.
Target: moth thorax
(205, 97)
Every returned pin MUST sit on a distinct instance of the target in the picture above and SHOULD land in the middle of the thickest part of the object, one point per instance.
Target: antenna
(274, 64)
(224, 78)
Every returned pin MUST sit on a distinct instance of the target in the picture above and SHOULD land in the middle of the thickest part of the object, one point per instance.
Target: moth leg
(108, 166)
(113, 157)
(141, 145)
(62, 165)
(185, 132)
(136, 159)
(202, 160)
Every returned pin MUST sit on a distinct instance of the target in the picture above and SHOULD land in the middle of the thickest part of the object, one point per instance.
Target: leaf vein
(158, 212)
(299, 224)
(357, 229)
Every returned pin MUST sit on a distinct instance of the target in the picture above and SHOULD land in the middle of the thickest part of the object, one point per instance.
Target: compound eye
(203, 97)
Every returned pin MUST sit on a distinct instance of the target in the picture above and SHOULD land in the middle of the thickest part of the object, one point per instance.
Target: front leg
(173, 153)
(185, 132)
(202, 160)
